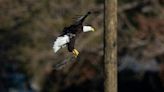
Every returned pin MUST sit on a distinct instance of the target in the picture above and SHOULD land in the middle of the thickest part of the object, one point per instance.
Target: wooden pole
(110, 45)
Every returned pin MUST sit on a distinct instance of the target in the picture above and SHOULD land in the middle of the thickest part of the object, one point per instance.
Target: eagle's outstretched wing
(81, 19)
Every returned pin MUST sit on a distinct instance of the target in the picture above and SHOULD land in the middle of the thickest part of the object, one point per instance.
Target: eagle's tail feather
(60, 42)
(56, 48)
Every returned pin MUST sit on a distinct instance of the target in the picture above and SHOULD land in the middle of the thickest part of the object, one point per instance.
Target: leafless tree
(110, 49)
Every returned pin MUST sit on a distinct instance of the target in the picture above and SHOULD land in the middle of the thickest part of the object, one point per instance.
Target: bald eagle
(69, 34)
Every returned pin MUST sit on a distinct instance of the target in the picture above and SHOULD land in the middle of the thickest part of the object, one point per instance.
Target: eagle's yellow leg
(75, 52)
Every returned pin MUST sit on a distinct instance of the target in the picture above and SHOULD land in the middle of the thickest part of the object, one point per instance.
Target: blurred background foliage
(28, 29)
(141, 46)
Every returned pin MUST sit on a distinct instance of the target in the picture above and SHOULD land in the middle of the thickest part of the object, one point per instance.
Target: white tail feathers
(60, 42)
(56, 48)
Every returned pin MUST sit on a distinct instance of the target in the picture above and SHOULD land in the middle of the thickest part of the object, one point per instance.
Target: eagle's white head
(88, 29)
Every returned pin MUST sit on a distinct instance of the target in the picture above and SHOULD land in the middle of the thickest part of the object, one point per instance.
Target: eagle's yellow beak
(75, 52)
(93, 29)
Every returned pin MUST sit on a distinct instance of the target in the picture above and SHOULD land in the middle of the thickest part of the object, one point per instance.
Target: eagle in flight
(69, 34)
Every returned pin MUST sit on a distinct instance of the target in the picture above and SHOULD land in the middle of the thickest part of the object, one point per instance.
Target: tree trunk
(110, 45)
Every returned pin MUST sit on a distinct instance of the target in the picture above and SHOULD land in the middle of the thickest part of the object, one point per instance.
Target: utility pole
(110, 45)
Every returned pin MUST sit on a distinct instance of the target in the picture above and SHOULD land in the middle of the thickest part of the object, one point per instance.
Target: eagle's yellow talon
(75, 52)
